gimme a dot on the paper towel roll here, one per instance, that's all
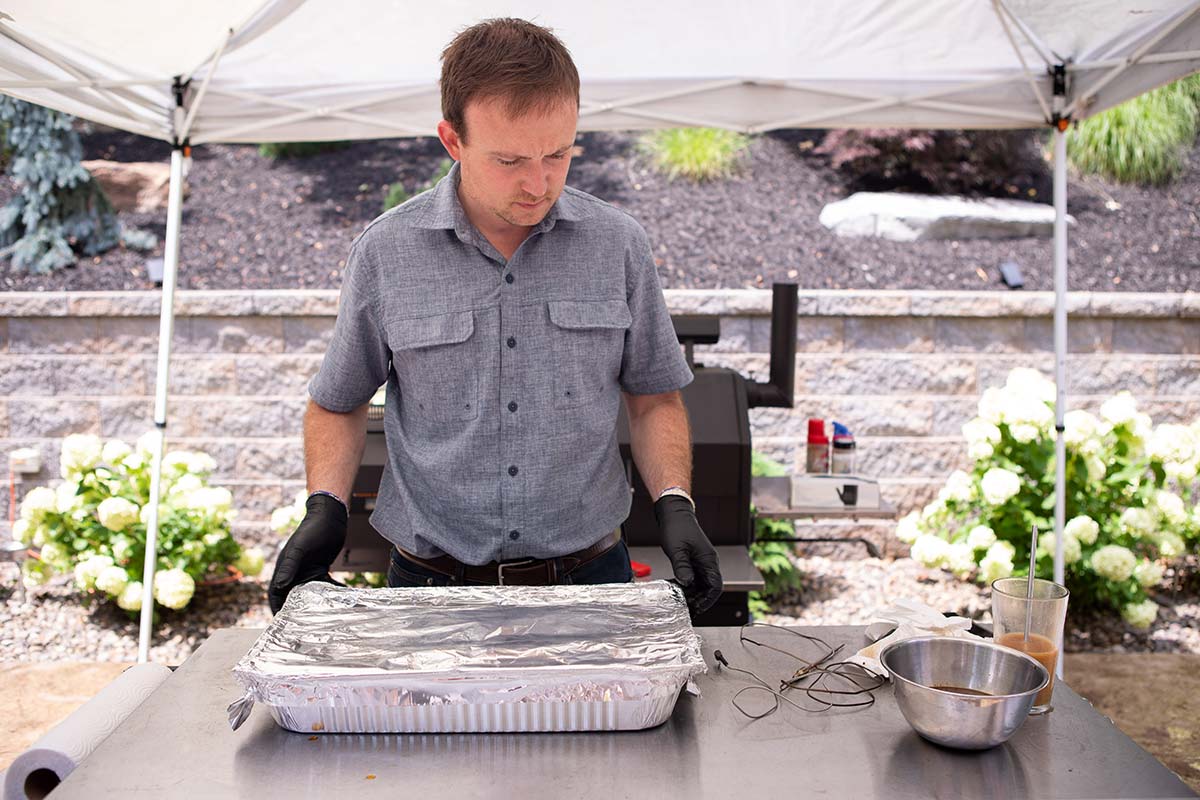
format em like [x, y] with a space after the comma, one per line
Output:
[49, 760]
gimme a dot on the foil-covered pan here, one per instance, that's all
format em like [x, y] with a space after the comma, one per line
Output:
[472, 658]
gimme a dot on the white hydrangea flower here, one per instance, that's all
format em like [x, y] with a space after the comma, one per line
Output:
[1114, 562]
[80, 451]
[1182, 471]
[934, 508]
[184, 484]
[1001, 551]
[1143, 427]
[1140, 615]
[88, 570]
[1171, 506]
[1023, 409]
[34, 573]
[21, 531]
[1172, 443]
[213, 499]
[145, 444]
[285, 519]
[1170, 544]
[114, 452]
[122, 549]
[200, 462]
[38, 502]
[134, 461]
[173, 588]
[978, 451]
[66, 497]
[1148, 573]
[907, 529]
[117, 513]
[38, 537]
[214, 538]
[960, 559]
[1097, 468]
[930, 550]
[991, 405]
[993, 569]
[1081, 428]
[981, 537]
[999, 485]
[1031, 383]
[1083, 528]
[980, 430]
[1072, 551]
[1120, 409]
[54, 554]
[250, 562]
[1138, 521]
[959, 488]
[112, 580]
[1023, 432]
[130, 598]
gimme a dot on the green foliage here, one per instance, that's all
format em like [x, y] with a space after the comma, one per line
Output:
[58, 209]
[397, 194]
[93, 524]
[1144, 140]
[698, 154]
[771, 558]
[277, 150]
[1131, 492]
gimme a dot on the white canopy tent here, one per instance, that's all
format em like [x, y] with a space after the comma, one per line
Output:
[312, 70]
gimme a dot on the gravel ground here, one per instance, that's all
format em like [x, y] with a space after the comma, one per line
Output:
[56, 624]
[253, 223]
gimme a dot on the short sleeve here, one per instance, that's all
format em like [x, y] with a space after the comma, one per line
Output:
[652, 361]
[358, 359]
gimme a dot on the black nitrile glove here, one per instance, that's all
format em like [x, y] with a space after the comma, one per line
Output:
[311, 550]
[693, 558]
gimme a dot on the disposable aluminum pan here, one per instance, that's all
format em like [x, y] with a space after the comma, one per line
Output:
[472, 659]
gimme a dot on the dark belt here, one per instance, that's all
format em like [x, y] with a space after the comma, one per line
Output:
[524, 572]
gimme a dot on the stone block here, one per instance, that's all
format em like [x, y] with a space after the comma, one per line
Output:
[3, 334]
[863, 304]
[214, 303]
[1189, 304]
[292, 415]
[230, 416]
[129, 335]
[1084, 335]
[48, 335]
[195, 374]
[884, 374]
[28, 375]
[3, 420]
[951, 413]
[986, 304]
[1176, 410]
[1156, 336]
[785, 450]
[1178, 376]
[50, 417]
[114, 304]
[130, 418]
[1107, 375]
[307, 334]
[817, 334]
[1135, 304]
[223, 451]
[737, 336]
[262, 459]
[889, 334]
[911, 494]
[993, 370]
[296, 303]
[256, 500]
[276, 375]
[33, 304]
[234, 335]
[987, 335]
[99, 375]
[934, 457]
[725, 302]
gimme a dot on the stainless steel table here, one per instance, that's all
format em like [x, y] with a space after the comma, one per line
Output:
[178, 744]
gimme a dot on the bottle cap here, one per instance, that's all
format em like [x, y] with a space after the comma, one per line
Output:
[816, 431]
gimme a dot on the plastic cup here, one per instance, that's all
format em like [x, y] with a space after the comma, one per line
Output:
[1047, 614]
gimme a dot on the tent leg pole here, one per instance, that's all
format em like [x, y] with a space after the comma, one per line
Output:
[166, 325]
[1060, 353]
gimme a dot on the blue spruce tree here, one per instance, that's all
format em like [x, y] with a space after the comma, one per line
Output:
[59, 210]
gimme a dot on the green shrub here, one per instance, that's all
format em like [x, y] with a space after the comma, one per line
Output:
[1144, 140]
[397, 194]
[1131, 491]
[771, 558]
[698, 154]
[276, 150]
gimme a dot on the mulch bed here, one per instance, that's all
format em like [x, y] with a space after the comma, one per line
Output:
[251, 222]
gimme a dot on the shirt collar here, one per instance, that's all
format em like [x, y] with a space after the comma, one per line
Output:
[445, 212]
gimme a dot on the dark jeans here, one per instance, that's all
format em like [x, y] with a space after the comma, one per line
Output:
[611, 567]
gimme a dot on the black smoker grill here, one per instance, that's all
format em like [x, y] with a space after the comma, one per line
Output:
[718, 403]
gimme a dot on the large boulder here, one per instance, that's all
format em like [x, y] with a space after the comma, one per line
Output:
[911, 217]
[138, 186]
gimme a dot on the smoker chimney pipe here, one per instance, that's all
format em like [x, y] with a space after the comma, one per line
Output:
[779, 392]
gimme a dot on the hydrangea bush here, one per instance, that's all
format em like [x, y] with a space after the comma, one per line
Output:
[93, 524]
[1131, 497]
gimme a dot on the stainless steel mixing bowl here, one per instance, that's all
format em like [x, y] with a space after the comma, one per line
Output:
[1010, 679]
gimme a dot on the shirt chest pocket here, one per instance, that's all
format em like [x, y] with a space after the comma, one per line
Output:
[589, 338]
[436, 363]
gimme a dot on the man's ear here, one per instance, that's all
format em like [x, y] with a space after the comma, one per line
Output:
[450, 139]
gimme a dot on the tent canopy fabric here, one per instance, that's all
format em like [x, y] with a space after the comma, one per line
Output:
[311, 70]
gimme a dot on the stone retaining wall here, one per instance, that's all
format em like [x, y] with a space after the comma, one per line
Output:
[903, 369]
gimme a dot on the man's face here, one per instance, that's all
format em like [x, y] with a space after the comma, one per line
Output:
[511, 170]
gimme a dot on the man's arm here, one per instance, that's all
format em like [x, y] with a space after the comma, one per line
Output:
[660, 439]
[333, 448]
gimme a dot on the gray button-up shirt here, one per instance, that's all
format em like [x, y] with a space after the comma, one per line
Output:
[503, 377]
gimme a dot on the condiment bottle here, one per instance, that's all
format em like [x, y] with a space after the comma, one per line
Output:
[818, 447]
[842, 462]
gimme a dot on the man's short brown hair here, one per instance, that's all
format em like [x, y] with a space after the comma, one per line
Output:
[517, 60]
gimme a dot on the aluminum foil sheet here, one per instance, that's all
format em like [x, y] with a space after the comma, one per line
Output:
[343, 655]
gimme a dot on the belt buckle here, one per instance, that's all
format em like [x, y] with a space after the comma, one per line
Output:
[500, 568]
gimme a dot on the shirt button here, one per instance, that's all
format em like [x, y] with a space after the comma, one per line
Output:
[513, 470]
[514, 535]
[512, 341]
[509, 278]
[512, 406]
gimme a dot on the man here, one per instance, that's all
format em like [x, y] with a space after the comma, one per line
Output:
[508, 314]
